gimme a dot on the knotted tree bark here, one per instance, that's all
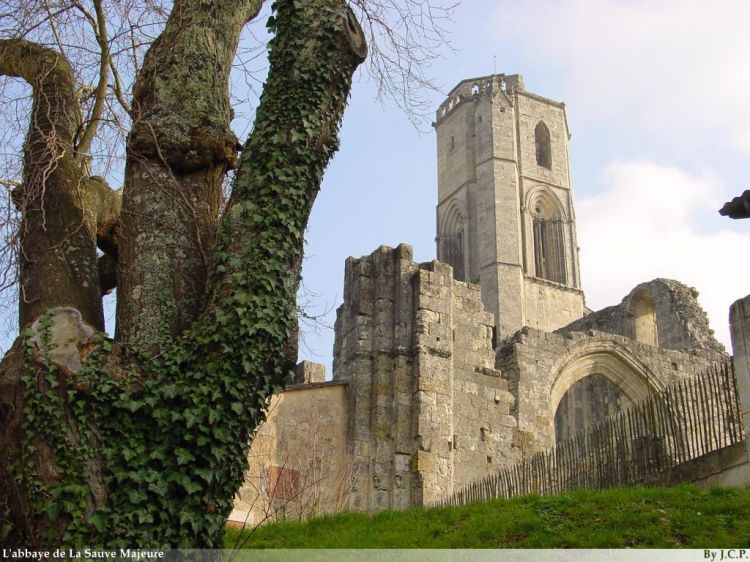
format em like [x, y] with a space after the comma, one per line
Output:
[143, 441]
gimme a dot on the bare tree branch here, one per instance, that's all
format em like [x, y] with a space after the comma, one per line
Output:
[91, 123]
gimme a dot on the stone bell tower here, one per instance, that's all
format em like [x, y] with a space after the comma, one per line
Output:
[505, 215]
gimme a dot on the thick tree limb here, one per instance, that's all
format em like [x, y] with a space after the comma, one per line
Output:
[249, 325]
[103, 207]
[179, 150]
[58, 252]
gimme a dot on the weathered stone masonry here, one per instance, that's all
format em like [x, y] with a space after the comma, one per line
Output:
[433, 406]
[429, 412]
[542, 367]
[437, 381]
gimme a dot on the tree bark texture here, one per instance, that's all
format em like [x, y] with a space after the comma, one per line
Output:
[159, 441]
[179, 150]
[57, 248]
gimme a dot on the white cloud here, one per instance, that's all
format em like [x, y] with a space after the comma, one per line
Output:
[642, 226]
[662, 75]
[742, 140]
[668, 65]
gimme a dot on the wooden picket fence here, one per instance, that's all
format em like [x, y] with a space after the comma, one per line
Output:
[640, 445]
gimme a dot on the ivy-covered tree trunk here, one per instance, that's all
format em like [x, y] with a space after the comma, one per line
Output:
[143, 441]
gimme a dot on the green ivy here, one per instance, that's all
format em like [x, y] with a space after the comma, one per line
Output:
[174, 434]
[58, 415]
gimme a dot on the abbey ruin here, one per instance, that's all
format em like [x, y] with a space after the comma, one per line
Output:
[450, 370]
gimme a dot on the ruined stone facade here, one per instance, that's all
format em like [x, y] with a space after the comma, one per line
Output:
[450, 370]
[428, 409]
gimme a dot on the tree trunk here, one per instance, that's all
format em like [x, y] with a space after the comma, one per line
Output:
[179, 150]
[57, 268]
[113, 449]
[57, 248]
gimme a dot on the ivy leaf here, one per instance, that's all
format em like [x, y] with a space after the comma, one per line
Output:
[158, 486]
[53, 510]
[190, 486]
[183, 456]
[99, 521]
[205, 473]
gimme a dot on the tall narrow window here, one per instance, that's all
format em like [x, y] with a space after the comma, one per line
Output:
[549, 243]
[543, 148]
[454, 254]
[452, 243]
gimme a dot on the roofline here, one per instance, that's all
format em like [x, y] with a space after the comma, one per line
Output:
[303, 386]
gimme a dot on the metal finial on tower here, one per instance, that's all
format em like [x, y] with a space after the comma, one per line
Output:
[494, 64]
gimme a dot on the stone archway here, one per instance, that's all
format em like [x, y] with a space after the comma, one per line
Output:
[589, 401]
[597, 371]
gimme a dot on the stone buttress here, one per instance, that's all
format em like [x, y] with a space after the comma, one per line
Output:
[428, 412]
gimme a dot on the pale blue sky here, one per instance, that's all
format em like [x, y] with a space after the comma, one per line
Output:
[656, 93]
[657, 96]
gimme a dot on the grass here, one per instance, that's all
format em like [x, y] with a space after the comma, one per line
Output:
[679, 517]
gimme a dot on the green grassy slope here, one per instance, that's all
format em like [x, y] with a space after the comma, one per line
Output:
[683, 516]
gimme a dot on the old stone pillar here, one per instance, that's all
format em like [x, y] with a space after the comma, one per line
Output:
[739, 325]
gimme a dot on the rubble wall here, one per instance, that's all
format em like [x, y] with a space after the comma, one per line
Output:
[542, 366]
[428, 411]
[681, 323]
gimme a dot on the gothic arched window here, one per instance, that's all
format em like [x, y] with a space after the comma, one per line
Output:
[452, 243]
[543, 148]
[549, 241]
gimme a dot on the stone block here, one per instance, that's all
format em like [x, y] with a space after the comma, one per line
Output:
[308, 372]
[424, 462]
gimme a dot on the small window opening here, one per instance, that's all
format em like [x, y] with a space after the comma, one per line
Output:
[543, 148]
[644, 319]
[282, 482]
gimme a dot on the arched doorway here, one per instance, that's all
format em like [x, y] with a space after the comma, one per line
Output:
[594, 382]
[588, 402]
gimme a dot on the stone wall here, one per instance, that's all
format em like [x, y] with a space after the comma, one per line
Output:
[428, 411]
[725, 467]
[553, 305]
[421, 404]
[541, 367]
[299, 459]
[308, 372]
[375, 330]
[739, 326]
[681, 323]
